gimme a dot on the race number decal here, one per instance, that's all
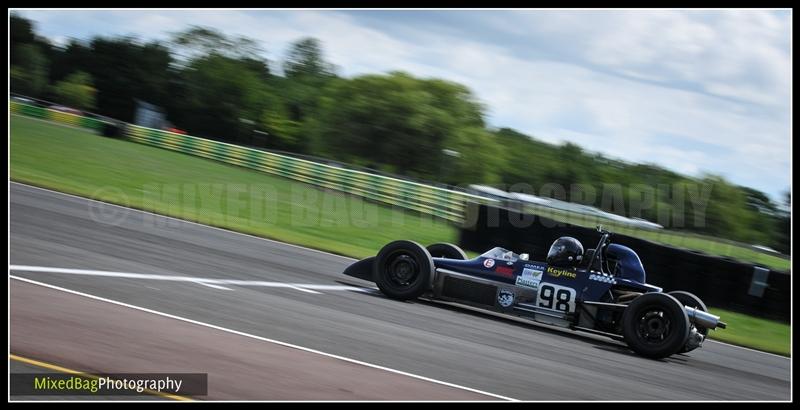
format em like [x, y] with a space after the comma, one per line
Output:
[554, 297]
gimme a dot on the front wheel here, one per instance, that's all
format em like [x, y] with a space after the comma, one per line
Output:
[655, 325]
[689, 299]
[403, 270]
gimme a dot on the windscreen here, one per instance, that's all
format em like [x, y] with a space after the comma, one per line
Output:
[501, 253]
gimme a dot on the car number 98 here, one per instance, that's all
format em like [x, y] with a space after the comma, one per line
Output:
[555, 297]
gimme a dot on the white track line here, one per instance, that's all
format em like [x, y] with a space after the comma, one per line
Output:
[273, 241]
[305, 290]
[236, 332]
[213, 286]
[183, 220]
[210, 282]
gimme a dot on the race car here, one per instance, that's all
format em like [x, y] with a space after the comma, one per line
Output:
[602, 290]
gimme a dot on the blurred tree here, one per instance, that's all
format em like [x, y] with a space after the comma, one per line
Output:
[477, 157]
[528, 158]
[198, 41]
[29, 75]
[284, 133]
[306, 75]
[223, 95]
[125, 70]
[76, 91]
[734, 212]
[76, 56]
[782, 240]
[758, 201]
[305, 59]
[729, 215]
[567, 167]
[225, 85]
[20, 32]
[28, 62]
[396, 120]
[20, 29]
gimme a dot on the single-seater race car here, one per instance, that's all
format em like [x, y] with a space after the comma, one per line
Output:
[602, 290]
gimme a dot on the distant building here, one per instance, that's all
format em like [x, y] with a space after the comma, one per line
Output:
[149, 115]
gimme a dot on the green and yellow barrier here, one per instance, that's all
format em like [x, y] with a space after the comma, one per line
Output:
[56, 116]
[423, 198]
[426, 199]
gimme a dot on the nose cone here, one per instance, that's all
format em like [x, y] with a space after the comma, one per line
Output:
[361, 269]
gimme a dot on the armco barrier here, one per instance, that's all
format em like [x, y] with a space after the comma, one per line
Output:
[721, 282]
[439, 202]
[426, 199]
[56, 116]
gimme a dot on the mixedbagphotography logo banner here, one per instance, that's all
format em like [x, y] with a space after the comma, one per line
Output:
[108, 384]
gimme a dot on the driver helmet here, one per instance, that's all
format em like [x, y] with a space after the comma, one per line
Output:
[565, 252]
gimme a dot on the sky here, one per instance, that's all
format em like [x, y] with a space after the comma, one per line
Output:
[691, 90]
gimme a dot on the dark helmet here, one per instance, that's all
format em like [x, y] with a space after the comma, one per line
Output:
[565, 252]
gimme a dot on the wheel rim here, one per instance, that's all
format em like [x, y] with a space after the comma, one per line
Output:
[401, 269]
[654, 326]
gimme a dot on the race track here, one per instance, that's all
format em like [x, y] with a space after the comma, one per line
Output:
[269, 291]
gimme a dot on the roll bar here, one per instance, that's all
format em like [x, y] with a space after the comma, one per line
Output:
[604, 240]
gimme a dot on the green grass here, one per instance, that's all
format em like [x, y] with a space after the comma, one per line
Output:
[78, 162]
[179, 185]
[744, 330]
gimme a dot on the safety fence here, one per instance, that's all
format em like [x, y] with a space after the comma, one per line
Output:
[56, 116]
[426, 199]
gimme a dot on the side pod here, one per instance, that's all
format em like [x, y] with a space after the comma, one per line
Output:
[361, 269]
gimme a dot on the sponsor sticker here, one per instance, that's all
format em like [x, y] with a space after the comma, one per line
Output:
[488, 263]
[530, 278]
[561, 273]
[505, 298]
[504, 271]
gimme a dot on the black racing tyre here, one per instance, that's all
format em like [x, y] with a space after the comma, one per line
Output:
[655, 325]
[691, 300]
[446, 250]
[403, 270]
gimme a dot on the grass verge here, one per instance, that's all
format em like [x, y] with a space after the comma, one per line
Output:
[76, 161]
[756, 333]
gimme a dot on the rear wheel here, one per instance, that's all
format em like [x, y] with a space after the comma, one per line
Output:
[446, 250]
[403, 270]
[655, 325]
[689, 299]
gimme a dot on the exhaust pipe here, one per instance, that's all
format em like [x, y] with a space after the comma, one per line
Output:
[704, 319]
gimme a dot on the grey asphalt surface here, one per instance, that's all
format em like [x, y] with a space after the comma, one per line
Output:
[96, 336]
[512, 358]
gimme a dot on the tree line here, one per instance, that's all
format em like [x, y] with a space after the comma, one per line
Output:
[221, 87]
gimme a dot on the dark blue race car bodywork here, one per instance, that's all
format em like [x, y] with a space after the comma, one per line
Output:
[592, 296]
